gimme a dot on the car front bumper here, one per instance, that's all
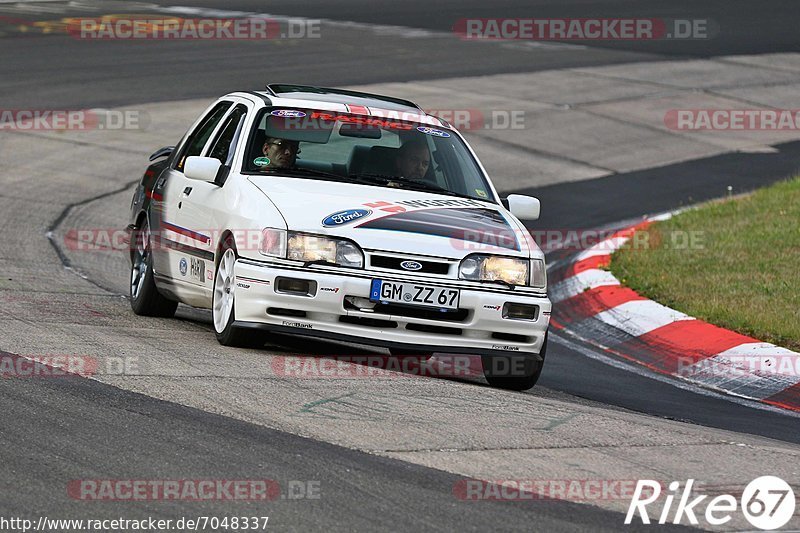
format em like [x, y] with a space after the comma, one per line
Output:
[328, 311]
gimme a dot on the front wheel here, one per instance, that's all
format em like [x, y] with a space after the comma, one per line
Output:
[513, 372]
[145, 298]
[222, 306]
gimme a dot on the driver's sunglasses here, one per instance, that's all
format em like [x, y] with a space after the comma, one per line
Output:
[286, 145]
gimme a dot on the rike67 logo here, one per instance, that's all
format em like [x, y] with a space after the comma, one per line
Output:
[767, 502]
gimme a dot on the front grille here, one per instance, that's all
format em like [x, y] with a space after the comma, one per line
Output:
[368, 322]
[456, 315]
[393, 263]
[286, 312]
[511, 337]
[441, 330]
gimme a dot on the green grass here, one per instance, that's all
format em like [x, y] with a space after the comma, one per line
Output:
[741, 271]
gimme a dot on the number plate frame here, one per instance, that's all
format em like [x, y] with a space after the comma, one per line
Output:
[414, 294]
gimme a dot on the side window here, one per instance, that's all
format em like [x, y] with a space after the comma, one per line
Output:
[199, 137]
[454, 163]
[224, 146]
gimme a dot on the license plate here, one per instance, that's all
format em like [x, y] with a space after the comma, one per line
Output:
[414, 294]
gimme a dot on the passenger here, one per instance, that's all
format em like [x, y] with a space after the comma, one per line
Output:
[413, 160]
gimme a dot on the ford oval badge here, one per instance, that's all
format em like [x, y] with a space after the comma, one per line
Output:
[287, 113]
[411, 265]
[433, 131]
[345, 217]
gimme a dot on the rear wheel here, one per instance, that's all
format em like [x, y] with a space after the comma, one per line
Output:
[145, 298]
[513, 372]
[222, 306]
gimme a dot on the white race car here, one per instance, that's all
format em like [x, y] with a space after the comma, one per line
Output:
[341, 215]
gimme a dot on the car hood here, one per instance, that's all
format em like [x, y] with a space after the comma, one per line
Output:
[399, 220]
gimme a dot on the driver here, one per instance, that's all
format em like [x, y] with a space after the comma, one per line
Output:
[413, 160]
[281, 153]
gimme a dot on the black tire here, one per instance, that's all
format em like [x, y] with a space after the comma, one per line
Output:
[513, 372]
[144, 295]
[230, 335]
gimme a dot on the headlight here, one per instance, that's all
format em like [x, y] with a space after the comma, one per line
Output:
[495, 268]
[305, 247]
[311, 248]
[349, 254]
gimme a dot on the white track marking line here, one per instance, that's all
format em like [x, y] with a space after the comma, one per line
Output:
[638, 317]
[757, 349]
[778, 368]
[675, 381]
[575, 285]
[755, 369]
[606, 247]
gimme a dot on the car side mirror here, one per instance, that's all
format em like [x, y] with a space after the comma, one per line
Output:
[524, 207]
[201, 168]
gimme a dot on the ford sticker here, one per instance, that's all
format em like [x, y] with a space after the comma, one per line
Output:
[345, 217]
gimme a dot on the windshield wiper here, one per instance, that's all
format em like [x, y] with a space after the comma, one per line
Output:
[385, 179]
[373, 178]
[309, 172]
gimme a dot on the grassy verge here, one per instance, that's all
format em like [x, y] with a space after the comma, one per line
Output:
[733, 263]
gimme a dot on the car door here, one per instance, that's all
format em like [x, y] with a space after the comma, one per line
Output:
[175, 244]
[202, 209]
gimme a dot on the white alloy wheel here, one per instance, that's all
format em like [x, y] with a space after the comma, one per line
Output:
[224, 293]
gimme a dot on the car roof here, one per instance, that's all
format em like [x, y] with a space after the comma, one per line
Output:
[345, 101]
[341, 96]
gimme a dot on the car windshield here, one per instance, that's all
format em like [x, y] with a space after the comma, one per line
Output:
[382, 151]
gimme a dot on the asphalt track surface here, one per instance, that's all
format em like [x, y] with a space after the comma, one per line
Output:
[74, 424]
[102, 429]
[775, 31]
[58, 69]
